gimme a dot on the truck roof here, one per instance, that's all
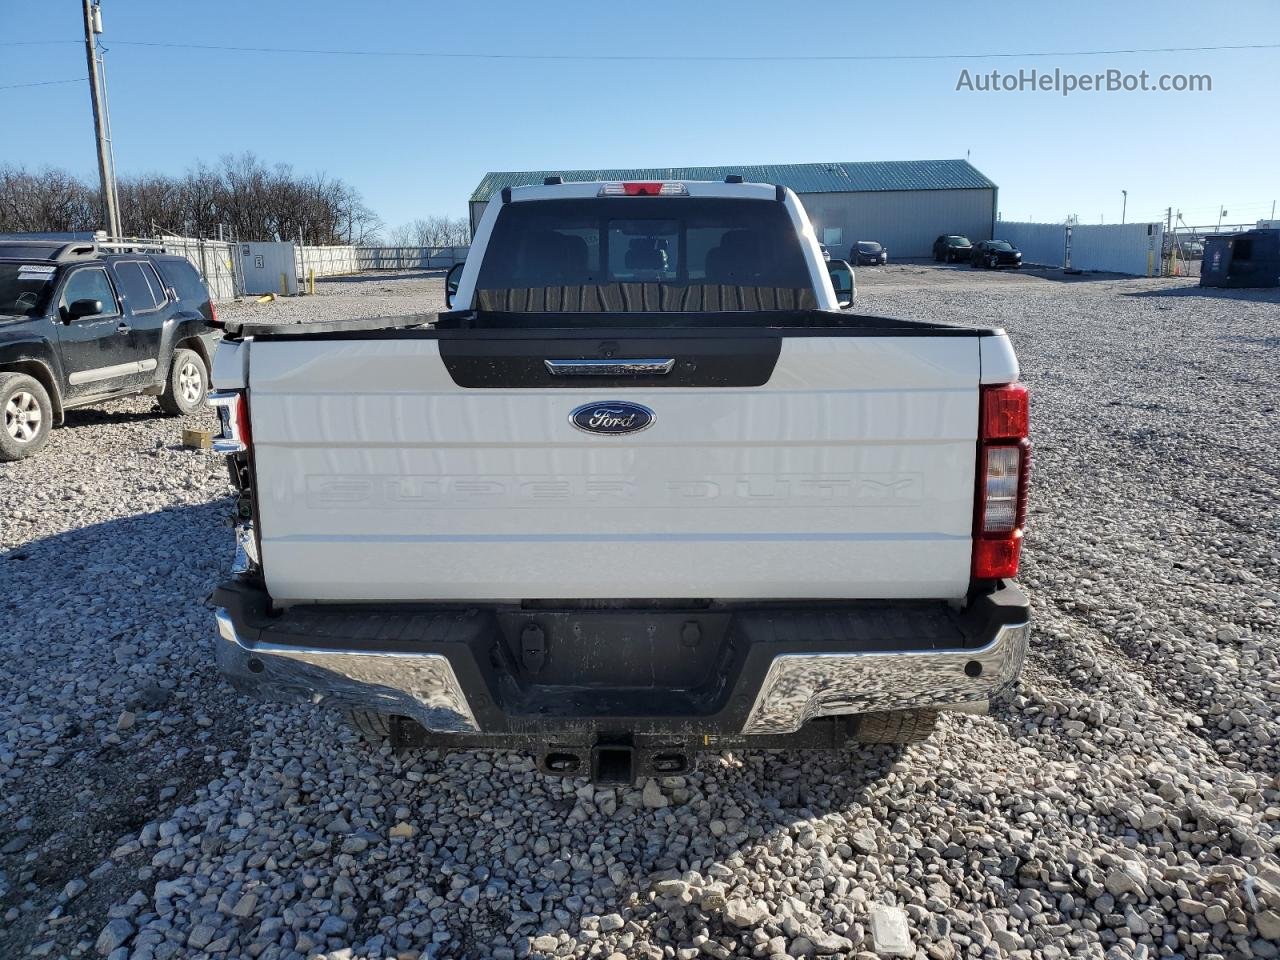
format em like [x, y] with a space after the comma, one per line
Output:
[582, 189]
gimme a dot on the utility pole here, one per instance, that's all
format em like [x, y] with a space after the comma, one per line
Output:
[106, 176]
[1124, 205]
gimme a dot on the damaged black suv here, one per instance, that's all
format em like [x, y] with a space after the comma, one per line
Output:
[79, 326]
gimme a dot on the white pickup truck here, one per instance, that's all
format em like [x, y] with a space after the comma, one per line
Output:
[644, 490]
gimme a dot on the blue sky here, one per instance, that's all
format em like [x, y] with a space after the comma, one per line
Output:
[415, 134]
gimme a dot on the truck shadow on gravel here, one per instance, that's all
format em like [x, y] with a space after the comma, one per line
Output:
[99, 416]
[112, 709]
[1246, 294]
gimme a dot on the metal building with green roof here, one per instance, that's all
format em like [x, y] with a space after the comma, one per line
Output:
[902, 204]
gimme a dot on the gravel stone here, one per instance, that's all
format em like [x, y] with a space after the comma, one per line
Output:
[864, 841]
[652, 797]
[1268, 924]
[741, 913]
[115, 934]
[890, 935]
[1130, 878]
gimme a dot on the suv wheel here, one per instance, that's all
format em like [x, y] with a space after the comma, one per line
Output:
[188, 382]
[28, 415]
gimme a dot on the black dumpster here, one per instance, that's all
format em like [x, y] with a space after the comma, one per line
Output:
[1249, 259]
[1217, 260]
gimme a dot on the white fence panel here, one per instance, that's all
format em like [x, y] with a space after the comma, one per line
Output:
[1132, 248]
[410, 258]
[1041, 243]
[327, 261]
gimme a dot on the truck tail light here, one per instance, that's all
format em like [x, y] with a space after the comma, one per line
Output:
[233, 416]
[643, 188]
[1005, 412]
[1004, 466]
[213, 316]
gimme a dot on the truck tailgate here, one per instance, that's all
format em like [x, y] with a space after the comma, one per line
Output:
[848, 474]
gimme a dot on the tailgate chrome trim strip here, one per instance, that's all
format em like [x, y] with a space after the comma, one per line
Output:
[607, 368]
[799, 687]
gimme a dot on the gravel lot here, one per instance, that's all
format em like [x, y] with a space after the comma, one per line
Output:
[1124, 803]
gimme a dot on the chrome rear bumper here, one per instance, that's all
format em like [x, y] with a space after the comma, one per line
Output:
[768, 672]
[799, 687]
[418, 685]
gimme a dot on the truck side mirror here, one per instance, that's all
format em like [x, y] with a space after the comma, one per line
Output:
[451, 283]
[842, 281]
[82, 308]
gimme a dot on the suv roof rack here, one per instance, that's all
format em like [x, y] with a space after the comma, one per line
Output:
[76, 250]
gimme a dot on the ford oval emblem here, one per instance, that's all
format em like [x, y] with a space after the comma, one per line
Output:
[612, 417]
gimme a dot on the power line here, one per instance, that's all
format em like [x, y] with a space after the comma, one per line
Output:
[41, 83]
[698, 58]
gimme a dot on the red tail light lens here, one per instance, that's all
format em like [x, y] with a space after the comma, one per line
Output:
[1005, 412]
[1000, 497]
[643, 188]
[213, 315]
[996, 559]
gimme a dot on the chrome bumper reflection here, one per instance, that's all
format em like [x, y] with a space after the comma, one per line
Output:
[799, 687]
[246, 557]
[418, 685]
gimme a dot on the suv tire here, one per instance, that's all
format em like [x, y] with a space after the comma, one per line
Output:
[27, 416]
[186, 385]
[898, 726]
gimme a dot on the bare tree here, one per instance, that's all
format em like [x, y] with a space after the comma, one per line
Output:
[435, 231]
[241, 194]
[401, 236]
[47, 199]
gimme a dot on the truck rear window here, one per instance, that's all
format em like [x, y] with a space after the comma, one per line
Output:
[643, 255]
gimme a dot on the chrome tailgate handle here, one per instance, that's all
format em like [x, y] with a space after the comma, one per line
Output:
[607, 368]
